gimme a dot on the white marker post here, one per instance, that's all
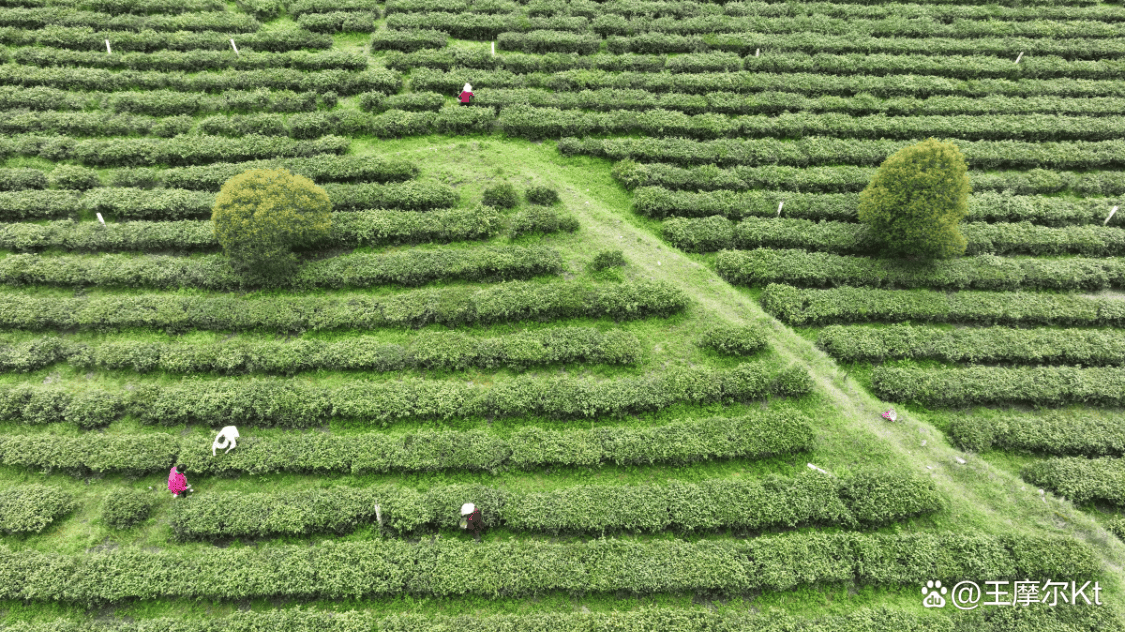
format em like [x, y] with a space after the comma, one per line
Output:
[1110, 216]
[813, 467]
[235, 48]
[100, 218]
[378, 514]
[107, 49]
[757, 51]
[1020, 56]
[493, 49]
[779, 208]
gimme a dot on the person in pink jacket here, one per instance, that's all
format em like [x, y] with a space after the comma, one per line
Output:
[466, 94]
[177, 482]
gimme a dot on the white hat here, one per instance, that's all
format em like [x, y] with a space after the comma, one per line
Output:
[467, 509]
[468, 88]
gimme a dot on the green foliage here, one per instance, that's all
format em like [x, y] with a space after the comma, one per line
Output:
[985, 385]
[523, 567]
[737, 340]
[1081, 432]
[608, 259]
[74, 177]
[22, 179]
[30, 508]
[800, 307]
[762, 266]
[502, 195]
[870, 497]
[541, 195]
[408, 40]
[338, 21]
[540, 219]
[126, 508]
[1080, 480]
[917, 198]
[262, 214]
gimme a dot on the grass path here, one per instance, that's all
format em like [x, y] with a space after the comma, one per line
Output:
[982, 496]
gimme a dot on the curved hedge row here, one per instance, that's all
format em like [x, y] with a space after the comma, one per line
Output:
[187, 61]
[428, 350]
[322, 81]
[853, 179]
[823, 150]
[1080, 480]
[481, 27]
[43, 17]
[762, 266]
[178, 151]
[30, 508]
[1083, 347]
[506, 302]
[325, 168]
[339, 21]
[277, 402]
[1079, 431]
[349, 230]
[762, 434]
[302, 7]
[998, 207]
[719, 233]
[86, 38]
[331, 570]
[162, 102]
[411, 267]
[800, 307]
[409, 40]
[1038, 386]
[118, 7]
[867, 498]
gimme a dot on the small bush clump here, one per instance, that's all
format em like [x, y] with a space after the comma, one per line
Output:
[127, 508]
[544, 196]
[501, 196]
[74, 177]
[608, 259]
[739, 340]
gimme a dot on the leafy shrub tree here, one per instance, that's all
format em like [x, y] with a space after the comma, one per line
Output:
[608, 259]
[917, 198]
[544, 196]
[262, 214]
[501, 196]
[74, 177]
[126, 508]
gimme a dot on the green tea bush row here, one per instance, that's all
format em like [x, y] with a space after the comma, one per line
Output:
[823, 150]
[988, 206]
[610, 24]
[22, 179]
[330, 570]
[86, 38]
[1041, 618]
[770, 503]
[506, 302]
[126, 508]
[954, 66]
[986, 385]
[411, 196]
[762, 266]
[1078, 432]
[302, 7]
[118, 7]
[777, 103]
[410, 101]
[811, 42]
[276, 402]
[944, 11]
[30, 508]
[739, 340]
[549, 42]
[410, 267]
[43, 17]
[339, 21]
[784, 85]
[454, 6]
[477, 26]
[534, 122]
[326, 168]
[1084, 347]
[1080, 480]
[349, 230]
[189, 61]
[340, 81]
[169, 102]
[92, 124]
[853, 179]
[762, 434]
[409, 40]
[178, 151]
[463, 59]
[427, 350]
[718, 233]
[803, 307]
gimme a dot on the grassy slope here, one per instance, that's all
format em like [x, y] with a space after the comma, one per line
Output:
[983, 497]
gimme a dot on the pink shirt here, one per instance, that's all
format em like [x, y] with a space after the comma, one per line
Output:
[177, 483]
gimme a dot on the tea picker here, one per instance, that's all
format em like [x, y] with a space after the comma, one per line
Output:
[471, 519]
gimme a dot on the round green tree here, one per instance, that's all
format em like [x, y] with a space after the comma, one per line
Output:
[261, 215]
[917, 198]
